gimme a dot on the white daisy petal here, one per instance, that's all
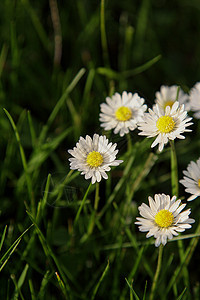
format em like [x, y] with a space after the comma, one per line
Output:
[165, 125]
[167, 95]
[122, 113]
[194, 100]
[163, 218]
[93, 157]
[191, 180]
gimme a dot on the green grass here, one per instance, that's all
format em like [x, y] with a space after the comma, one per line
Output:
[60, 237]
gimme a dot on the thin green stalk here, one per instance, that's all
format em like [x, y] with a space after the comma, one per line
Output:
[32, 130]
[155, 280]
[129, 142]
[49, 253]
[187, 256]
[177, 93]
[3, 56]
[60, 103]
[38, 26]
[57, 32]
[58, 190]
[118, 186]
[100, 280]
[174, 170]
[93, 215]
[82, 204]
[24, 162]
[96, 201]
[3, 237]
[174, 182]
[4, 259]
[128, 73]
[150, 161]
[103, 34]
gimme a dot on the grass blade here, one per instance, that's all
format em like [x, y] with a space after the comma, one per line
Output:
[181, 295]
[3, 56]
[99, 282]
[60, 103]
[145, 290]
[134, 293]
[129, 73]
[12, 248]
[33, 297]
[24, 162]
[32, 130]
[49, 253]
[38, 26]
[20, 282]
[82, 204]
[103, 34]
[3, 237]
[185, 261]
[61, 284]
[44, 283]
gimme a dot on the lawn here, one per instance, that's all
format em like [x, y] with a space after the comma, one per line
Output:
[70, 197]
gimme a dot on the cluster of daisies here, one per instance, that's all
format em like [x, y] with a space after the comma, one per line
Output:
[167, 120]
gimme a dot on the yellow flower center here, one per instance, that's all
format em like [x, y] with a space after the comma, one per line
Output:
[199, 183]
[165, 124]
[164, 218]
[168, 103]
[94, 159]
[123, 113]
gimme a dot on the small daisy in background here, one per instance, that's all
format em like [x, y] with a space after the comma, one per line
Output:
[191, 180]
[93, 157]
[194, 98]
[168, 95]
[122, 113]
[163, 218]
[165, 126]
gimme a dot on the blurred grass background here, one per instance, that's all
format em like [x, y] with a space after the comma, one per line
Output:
[51, 56]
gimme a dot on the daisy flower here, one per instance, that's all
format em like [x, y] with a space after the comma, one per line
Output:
[93, 157]
[191, 180]
[165, 126]
[194, 98]
[167, 96]
[122, 113]
[163, 218]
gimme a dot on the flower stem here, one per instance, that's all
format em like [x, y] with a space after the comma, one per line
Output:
[177, 93]
[103, 34]
[155, 280]
[129, 142]
[96, 200]
[174, 181]
[174, 170]
[82, 204]
[93, 215]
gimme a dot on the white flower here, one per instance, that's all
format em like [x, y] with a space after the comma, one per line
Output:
[93, 157]
[194, 97]
[167, 96]
[191, 180]
[122, 113]
[163, 218]
[166, 126]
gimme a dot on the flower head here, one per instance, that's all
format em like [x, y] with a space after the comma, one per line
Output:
[191, 180]
[165, 126]
[168, 95]
[194, 98]
[93, 157]
[163, 218]
[122, 113]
